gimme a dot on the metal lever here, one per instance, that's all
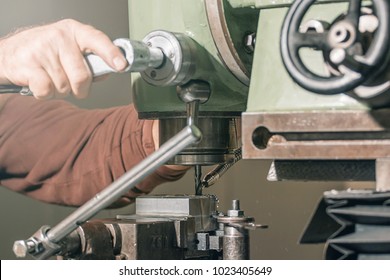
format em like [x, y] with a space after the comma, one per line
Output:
[139, 57]
[192, 94]
[44, 243]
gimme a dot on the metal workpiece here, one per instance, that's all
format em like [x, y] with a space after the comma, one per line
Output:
[139, 57]
[46, 239]
[177, 205]
[192, 214]
[179, 64]
[201, 208]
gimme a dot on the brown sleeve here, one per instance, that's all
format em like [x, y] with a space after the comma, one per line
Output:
[58, 153]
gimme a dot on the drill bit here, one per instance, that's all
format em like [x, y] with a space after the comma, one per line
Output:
[198, 180]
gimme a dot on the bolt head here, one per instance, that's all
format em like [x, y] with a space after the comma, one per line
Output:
[20, 248]
[235, 213]
[250, 42]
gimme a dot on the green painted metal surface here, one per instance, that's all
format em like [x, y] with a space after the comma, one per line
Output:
[241, 22]
[271, 88]
[259, 3]
[263, 4]
[188, 17]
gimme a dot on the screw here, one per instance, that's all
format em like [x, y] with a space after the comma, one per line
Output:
[250, 42]
[235, 211]
[236, 204]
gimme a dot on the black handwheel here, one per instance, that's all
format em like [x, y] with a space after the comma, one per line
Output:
[338, 41]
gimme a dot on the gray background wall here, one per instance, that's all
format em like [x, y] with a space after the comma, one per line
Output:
[285, 207]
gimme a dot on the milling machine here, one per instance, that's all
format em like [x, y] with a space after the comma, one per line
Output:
[304, 83]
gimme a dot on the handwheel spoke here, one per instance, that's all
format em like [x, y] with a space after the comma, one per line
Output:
[310, 40]
[354, 12]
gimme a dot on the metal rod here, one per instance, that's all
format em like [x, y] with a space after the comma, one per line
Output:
[186, 137]
[192, 112]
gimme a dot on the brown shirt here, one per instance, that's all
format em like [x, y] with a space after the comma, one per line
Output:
[58, 153]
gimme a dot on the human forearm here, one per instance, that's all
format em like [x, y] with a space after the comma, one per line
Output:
[74, 153]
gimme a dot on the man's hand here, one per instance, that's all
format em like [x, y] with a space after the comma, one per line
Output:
[50, 61]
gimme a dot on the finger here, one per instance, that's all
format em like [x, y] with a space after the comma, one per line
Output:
[60, 81]
[37, 67]
[77, 71]
[89, 38]
[41, 84]
[54, 68]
